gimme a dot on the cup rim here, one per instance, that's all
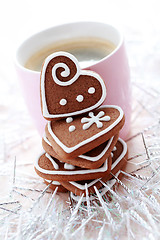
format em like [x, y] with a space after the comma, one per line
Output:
[64, 25]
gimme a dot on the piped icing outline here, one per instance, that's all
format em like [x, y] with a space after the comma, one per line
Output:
[78, 73]
[82, 187]
[54, 164]
[110, 184]
[96, 158]
[103, 168]
[46, 140]
[53, 182]
[71, 149]
[93, 159]
[121, 156]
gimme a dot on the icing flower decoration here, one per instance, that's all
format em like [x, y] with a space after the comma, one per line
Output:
[94, 119]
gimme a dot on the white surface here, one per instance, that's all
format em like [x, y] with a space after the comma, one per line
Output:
[19, 19]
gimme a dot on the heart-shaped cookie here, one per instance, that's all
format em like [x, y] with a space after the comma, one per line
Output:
[119, 159]
[77, 135]
[92, 159]
[51, 168]
[66, 90]
[103, 191]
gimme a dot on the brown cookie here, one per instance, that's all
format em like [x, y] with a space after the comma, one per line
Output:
[77, 135]
[52, 169]
[92, 159]
[103, 191]
[79, 187]
[119, 159]
[55, 184]
[66, 90]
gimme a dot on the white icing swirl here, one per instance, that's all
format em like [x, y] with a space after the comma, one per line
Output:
[66, 71]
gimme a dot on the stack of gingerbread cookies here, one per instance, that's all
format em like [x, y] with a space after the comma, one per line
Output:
[81, 140]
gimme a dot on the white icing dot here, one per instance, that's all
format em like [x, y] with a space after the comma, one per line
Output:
[80, 98]
[69, 166]
[63, 101]
[72, 128]
[111, 154]
[91, 90]
[69, 120]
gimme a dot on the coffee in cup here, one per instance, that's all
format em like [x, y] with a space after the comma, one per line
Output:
[88, 51]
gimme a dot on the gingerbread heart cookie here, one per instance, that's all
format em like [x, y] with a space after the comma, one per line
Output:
[92, 159]
[79, 187]
[52, 169]
[77, 135]
[119, 159]
[66, 90]
[103, 191]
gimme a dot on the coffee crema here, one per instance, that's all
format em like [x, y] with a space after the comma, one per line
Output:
[88, 51]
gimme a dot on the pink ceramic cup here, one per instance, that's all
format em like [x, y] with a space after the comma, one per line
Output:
[113, 68]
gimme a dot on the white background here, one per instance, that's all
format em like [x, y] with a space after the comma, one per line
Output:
[21, 18]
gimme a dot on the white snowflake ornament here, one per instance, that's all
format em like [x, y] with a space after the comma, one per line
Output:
[95, 119]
